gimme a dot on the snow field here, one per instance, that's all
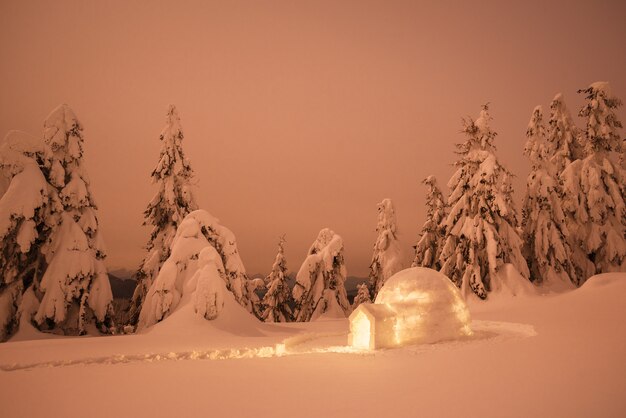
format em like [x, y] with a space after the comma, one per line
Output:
[572, 367]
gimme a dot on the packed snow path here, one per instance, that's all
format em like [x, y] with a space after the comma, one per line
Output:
[307, 343]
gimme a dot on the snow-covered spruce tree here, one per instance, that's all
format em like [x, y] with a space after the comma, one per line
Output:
[386, 259]
[543, 221]
[75, 286]
[362, 296]
[188, 271]
[594, 186]
[563, 148]
[480, 230]
[277, 298]
[320, 282]
[23, 210]
[428, 247]
[253, 286]
[563, 145]
[172, 202]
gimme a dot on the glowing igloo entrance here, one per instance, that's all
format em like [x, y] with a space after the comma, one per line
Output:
[416, 305]
[372, 326]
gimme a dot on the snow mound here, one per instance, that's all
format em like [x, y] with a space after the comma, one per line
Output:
[602, 280]
[427, 307]
[187, 321]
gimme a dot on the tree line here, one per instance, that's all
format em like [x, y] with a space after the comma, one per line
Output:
[573, 225]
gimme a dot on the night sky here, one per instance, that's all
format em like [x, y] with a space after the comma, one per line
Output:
[297, 115]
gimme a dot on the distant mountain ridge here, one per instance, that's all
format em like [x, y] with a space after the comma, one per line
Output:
[123, 285]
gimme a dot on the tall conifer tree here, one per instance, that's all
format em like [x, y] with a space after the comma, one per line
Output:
[277, 298]
[169, 206]
[428, 247]
[543, 221]
[386, 258]
[594, 186]
[480, 230]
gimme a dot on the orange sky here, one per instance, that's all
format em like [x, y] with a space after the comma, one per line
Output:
[297, 115]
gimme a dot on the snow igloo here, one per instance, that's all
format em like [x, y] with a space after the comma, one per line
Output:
[415, 306]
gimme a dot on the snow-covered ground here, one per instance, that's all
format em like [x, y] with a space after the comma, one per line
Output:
[530, 356]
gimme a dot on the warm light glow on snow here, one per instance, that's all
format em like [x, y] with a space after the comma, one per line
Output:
[280, 349]
[461, 311]
[406, 327]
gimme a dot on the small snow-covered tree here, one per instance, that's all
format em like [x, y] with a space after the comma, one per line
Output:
[428, 247]
[543, 221]
[172, 202]
[278, 296]
[386, 259]
[480, 230]
[362, 296]
[594, 186]
[190, 270]
[23, 228]
[75, 286]
[320, 282]
[253, 286]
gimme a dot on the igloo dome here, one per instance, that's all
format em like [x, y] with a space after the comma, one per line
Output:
[416, 305]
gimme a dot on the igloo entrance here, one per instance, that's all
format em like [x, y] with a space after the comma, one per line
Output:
[416, 305]
[360, 329]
